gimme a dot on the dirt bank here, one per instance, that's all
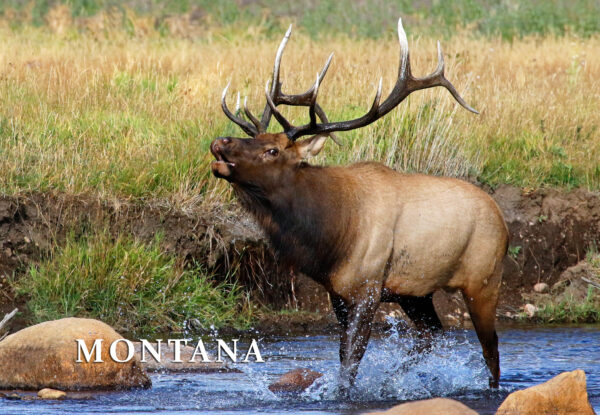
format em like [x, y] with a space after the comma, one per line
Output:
[550, 231]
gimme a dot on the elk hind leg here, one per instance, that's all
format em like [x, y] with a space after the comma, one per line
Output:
[421, 312]
[482, 308]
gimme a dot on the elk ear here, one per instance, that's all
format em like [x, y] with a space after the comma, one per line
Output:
[311, 146]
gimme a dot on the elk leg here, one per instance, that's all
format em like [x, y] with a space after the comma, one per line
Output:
[341, 313]
[422, 313]
[483, 316]
[355, 337]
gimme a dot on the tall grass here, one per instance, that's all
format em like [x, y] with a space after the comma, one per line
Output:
[129, 285]
[132, 116]
[359, 19]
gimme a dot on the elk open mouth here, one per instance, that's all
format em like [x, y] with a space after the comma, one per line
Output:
[222, 167]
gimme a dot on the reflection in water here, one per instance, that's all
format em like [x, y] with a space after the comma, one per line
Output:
[390, 372]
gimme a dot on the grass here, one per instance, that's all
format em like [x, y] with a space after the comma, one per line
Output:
[570, 310]
[139, 111]
[123, 101]
[359, 19]
[567, 308]
[129, 285]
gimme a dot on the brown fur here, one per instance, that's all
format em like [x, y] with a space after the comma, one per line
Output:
[370, 234]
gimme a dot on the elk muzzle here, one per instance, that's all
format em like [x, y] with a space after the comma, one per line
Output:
[221, 167]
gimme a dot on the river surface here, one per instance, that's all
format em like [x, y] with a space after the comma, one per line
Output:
[389, 374]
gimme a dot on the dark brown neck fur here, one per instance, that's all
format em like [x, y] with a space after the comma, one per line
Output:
[308, 220]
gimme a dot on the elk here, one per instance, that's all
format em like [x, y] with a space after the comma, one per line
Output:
[367, 233]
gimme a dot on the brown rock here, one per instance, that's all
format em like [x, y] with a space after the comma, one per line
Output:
[295, 380]
[563, 394]
[44, 356]
[48, 393]
[429, 407]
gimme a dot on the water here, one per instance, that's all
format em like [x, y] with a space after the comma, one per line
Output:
[389, 374]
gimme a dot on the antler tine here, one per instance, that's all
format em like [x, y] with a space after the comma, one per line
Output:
[279, 98]
[252, 118]
[275, 82]
[313, 101]
[280, 118]
[243, 124]
[407, 83]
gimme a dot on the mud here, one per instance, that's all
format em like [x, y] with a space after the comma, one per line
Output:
[550, 231]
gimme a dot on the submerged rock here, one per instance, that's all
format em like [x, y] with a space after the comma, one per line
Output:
[563, 394]
[167, 361]
[296, 380]
[44, 356]
[429, 407]
[48, 393]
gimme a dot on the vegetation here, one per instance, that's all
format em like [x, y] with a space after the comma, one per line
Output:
[370, 18]
[121, 100]
[129, 285]
[138, 107]
[567, 307]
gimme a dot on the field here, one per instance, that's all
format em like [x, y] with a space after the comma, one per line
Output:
[121, 103]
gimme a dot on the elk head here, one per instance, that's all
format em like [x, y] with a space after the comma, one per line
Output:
[271, 157]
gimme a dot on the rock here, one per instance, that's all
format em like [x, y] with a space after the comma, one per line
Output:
[44, 356]
[541, 287]
[295, 380]
[563, 394]
[13, 397]
[167, 360]
[48, 393]
[571, 284]
[428, 407]
[530, 310]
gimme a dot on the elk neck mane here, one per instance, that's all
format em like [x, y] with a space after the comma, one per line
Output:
[308, 220]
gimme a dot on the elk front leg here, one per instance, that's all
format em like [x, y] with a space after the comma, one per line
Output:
[358, 316]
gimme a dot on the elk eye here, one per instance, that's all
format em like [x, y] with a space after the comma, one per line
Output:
[273, 152]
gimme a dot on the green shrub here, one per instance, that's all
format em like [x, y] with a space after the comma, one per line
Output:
[130, 285]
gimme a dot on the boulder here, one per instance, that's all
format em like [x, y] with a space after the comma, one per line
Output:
[563, 394]
[429, 407]
[296, 380]
[44, 356]
[48, 393]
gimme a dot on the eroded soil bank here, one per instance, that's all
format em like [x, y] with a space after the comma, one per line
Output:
[550, 231]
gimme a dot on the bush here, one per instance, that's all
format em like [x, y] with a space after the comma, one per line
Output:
[129, 285]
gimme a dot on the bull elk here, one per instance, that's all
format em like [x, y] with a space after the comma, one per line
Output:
[367, 233]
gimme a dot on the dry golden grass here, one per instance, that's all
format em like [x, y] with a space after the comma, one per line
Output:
[132, 115]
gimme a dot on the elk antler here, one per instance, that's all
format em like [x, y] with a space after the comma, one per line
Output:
[277, 98]
[405, 85]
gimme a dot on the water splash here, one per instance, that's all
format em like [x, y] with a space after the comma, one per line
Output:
[392, 369]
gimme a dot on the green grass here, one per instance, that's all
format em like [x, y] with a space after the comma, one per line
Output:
[130, 285]
[567, 308]
[570, 310]
[370, 18]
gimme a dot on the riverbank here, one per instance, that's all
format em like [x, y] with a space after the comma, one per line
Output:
[550, 232]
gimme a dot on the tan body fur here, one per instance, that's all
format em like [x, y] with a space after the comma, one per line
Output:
[420, 234]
